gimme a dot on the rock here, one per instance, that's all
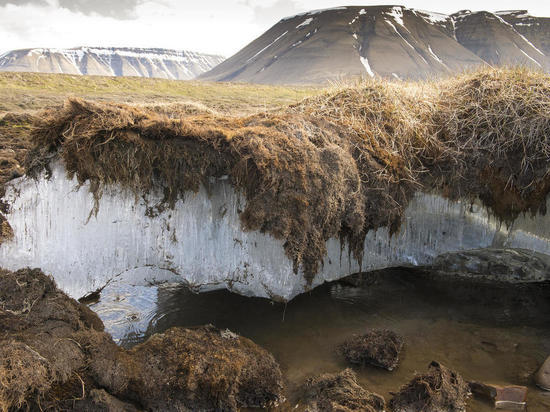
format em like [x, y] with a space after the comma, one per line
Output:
[542, 377]
[380, 348]
[111, 61]
[504, 397]
[54, 354]
[440, 389]
[492, 264]
[339, 392]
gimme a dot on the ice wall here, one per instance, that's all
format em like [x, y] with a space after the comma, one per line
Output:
[200, 242]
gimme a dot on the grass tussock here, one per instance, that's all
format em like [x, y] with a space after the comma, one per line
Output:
[335, 165]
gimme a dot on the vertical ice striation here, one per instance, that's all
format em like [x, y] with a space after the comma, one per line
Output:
[201, 242]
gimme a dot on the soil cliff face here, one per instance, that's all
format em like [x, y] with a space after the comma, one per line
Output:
[382, 174]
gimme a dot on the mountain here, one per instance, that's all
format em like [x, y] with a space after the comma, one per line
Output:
[162, 63]
[389, 41]
[536, 29]
[495, 39]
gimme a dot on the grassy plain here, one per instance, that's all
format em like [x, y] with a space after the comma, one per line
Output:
[34, 91]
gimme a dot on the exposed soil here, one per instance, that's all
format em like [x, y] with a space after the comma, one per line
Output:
[55, 354]
[339, 392]
[337, 165]
[377, 347]
[14, 144]
[440, 389]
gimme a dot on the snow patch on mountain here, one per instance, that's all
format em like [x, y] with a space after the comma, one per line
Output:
[305, 22]
[366, 64]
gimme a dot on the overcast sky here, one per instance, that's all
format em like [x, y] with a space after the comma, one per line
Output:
[210, 26]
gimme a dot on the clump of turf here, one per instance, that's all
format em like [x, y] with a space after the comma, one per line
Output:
[24, 373]
[379, 348]
[339, 392]
[495, 124]
[335, 165]
[203, 369]
[440, 389]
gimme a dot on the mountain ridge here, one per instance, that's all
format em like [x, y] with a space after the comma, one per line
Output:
[111, 61]
[387, 41]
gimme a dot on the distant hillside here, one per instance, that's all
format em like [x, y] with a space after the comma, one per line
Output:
[389, 41]
[161, 63]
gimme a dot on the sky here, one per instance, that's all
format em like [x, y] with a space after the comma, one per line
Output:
[208, 26]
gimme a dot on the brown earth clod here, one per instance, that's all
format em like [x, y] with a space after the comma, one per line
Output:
[340, 392]
[377, 347]
[439, 389]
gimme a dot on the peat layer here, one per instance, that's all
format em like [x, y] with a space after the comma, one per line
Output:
[336, 165]
[14, 144]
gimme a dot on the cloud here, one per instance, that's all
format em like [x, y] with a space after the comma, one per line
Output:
[120, 9]
[23, 2]
[271, 14]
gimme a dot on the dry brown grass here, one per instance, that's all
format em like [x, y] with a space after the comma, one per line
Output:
[24, 374]
[335, 165]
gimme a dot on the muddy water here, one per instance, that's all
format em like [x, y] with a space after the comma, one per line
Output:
[488, 333]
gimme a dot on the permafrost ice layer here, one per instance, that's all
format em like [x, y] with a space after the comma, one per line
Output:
[201, 243]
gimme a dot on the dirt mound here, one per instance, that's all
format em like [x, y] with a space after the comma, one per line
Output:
[377, 347]
[337, 165]
[55, 354]
[440, 389]
[202, 369]
[339, 392]
[40, 352]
